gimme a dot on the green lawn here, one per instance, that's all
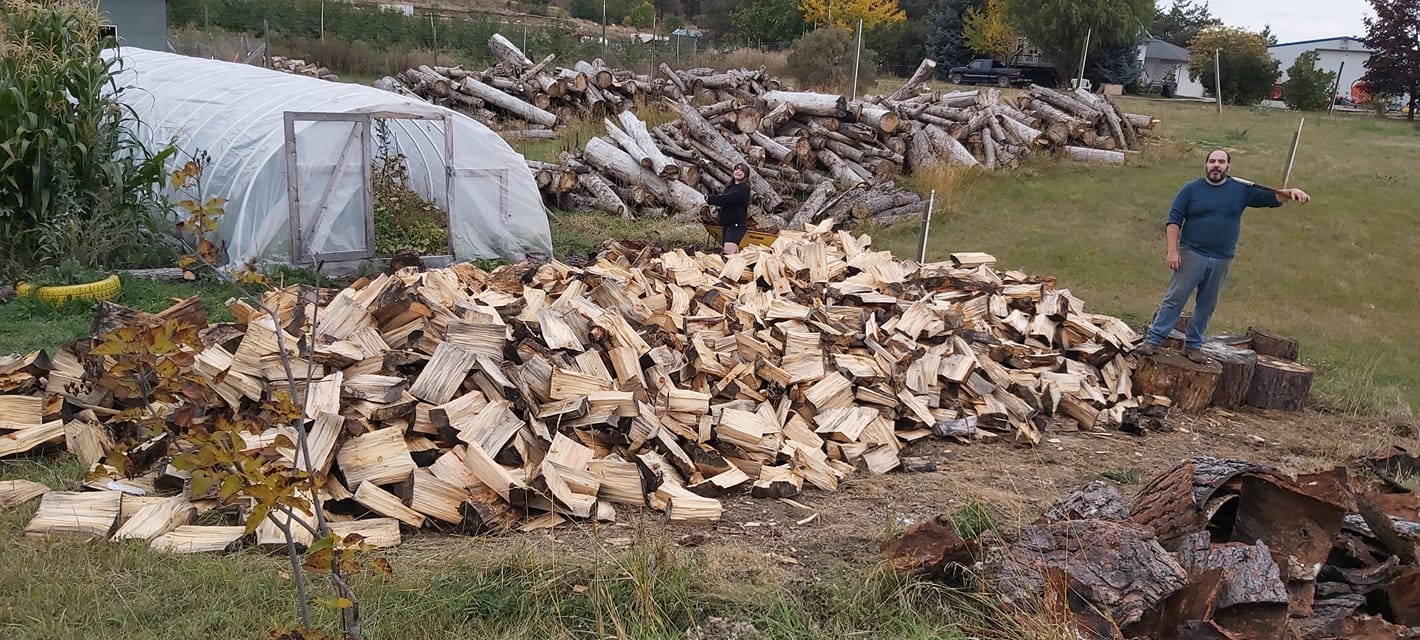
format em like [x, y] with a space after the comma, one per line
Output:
[1337, 273]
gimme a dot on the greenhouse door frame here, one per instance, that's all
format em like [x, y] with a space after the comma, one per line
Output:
[364, 132]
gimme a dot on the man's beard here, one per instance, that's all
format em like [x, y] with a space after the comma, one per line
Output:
[1217, 175]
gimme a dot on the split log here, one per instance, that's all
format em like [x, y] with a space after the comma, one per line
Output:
[1279, 384]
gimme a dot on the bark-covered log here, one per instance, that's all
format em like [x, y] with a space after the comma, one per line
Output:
[662, 165]
[1268, 343]
[705, 133]
[946, 146]
[607, 157]
[505, 52]
[920, 76]
[808, 103]
[1279, 384]
[1095, 499]
[1236, 378]
[606, 198]
[507, 102]
[1082, 154]
[886, 120]
[1116, 566]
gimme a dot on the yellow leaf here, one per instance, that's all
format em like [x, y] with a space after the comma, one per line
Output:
[335, 603]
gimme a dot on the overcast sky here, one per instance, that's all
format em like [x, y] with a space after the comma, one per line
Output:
[1294, 20]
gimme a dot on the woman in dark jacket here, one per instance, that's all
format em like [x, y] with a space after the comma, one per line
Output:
[734, 209]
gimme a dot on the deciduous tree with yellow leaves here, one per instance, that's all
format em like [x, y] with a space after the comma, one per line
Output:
[988, 30]
[845, 14]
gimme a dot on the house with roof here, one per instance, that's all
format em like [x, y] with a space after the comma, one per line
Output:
[1344, 55]
[1167, 63]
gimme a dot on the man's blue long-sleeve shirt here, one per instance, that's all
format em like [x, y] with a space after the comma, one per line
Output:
[1210, 216]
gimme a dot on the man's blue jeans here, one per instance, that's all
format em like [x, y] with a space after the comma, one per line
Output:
[1198, 272]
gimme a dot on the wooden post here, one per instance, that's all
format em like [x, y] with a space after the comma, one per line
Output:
[1331, 98]
[1292, 155]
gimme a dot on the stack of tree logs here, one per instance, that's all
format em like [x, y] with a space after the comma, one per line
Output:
[301, 67]
[1256, 369]
[518, 92]
[654, 379]
[1219, 549]
[806, 150]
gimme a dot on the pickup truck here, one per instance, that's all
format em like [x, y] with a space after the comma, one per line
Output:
[986, 70]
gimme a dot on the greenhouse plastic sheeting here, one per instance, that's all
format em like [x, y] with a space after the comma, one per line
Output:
[236, 112]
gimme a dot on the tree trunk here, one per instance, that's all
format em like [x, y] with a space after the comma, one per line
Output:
[606, 157]
[776, 117]
[427, 83]
[1082, 154]
[771, 146]
[815, 104]
[988, 150]
[959, 99]
[1027, 134]
[507, 102]
[662, 165]
[388, 83]
[946, 146]
[885, 120]
[1236, 379]
[627, 143]
[504, 51]
[920, 76]
[606, 198]
[812, 205]
[674, 78]
[1067, 102]
[707, 134]
[576, 80]
[1279, 384]
[1189, 384]
[537, 68]
[1141, 122]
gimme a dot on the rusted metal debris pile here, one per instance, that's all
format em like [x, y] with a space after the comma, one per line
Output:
[1216, 549]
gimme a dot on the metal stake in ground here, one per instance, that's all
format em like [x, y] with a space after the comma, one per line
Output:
[926, 223]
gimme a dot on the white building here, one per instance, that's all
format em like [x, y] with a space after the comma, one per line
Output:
[1343, 55]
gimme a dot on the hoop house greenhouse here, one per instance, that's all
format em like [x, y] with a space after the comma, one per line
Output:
[292, 155]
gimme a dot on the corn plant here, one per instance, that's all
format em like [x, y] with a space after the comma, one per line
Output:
[74, 182]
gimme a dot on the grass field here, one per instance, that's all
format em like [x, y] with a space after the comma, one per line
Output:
[1336, 273]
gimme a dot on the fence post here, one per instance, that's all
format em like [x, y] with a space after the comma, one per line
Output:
[926, 223]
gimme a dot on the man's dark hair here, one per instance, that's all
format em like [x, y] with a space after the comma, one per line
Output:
[1226, 156]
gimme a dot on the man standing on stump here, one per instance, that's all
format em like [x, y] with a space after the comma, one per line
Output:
[1203, 227]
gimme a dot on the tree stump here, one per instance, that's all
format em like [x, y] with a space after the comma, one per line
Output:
[1266, 343]
[1189, 384]
[1176, 340]
[1278, 384]
[1238, 365]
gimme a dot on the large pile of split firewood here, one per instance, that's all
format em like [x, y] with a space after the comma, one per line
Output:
[1217, 549]
[465, 399]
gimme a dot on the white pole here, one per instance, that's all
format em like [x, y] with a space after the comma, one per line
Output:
[857, 53]
[1085, 53]
[603, 29]
[322, 20]
[1292, 155]
[926, 223]
[1217, 80]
